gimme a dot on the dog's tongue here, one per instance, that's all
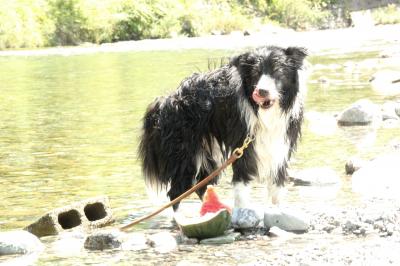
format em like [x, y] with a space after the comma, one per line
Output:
[257, 98]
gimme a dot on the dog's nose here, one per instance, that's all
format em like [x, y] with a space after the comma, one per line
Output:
[263, 92]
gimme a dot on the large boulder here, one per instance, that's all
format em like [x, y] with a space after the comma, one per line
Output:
[379, 177]
[19, 242]
[362, 112]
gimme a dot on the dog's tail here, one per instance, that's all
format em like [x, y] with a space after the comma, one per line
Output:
[150, 141]
[150, 155]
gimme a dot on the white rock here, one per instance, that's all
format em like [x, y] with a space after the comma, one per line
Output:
[277, 232]
[384, 83]
[163, 242]
[285, 219]
[319, 176]
[379, 177]
[19, 242]
[68, 244]
[397, 108]
[362, 112]
[321, 124]
[245, 218]
[135, 241]
[389, 110]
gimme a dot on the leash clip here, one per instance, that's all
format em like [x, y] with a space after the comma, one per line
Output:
[239, 151]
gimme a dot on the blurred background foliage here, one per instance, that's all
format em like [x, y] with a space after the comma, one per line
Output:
[25, 23]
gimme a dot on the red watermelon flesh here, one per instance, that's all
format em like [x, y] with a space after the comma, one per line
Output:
[211, 203]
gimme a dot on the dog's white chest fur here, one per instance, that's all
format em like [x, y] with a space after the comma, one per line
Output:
[270, 142]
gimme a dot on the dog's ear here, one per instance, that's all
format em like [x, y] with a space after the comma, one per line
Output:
[296, 55]
[238, 60]
[243, 60]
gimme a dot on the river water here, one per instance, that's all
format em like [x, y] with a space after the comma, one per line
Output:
[70, 126]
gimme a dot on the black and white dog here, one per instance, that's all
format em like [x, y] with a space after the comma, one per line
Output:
[189, 133]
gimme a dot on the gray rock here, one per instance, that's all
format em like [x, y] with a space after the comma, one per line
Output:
[379, 177]
[105, 240]
[19, 242]
[362, 112]
[245, 218]
[353, 164]
[286, 219]
[225, 239]
[319, 176]
[87, 214]
[182, 239]
[163, 242]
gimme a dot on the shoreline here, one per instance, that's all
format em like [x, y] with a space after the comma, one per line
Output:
[346, 40]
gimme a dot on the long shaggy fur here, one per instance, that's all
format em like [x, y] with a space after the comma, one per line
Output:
[189, 133]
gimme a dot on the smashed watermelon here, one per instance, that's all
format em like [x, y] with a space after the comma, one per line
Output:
[211, 202]
[214, 219]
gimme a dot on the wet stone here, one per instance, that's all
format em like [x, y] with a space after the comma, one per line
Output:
[286, 219]
[19, 242]
[104, 240]
[245, 218]
[353, 164]
[182, 239]
[362, 112]
[163, 242]
[225, 239]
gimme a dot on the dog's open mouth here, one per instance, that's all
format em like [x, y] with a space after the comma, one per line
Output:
[263, 102]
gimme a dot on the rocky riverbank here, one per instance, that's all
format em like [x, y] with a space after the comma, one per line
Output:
[316, 41]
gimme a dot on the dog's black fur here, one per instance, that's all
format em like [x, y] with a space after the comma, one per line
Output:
[187, 134]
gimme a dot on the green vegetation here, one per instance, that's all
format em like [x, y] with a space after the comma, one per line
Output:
[25, 23]
[387, 15]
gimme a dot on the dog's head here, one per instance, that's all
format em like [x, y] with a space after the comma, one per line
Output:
[270, 75]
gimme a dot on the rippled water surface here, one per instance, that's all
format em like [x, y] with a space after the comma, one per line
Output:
[69, 127]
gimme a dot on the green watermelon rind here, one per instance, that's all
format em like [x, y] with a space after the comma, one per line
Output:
[205, 227]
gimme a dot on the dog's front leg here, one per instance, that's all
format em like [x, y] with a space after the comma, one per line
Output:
[241, 193]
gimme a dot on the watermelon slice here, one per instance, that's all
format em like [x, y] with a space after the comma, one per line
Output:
[209, 225]
[211, 202]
